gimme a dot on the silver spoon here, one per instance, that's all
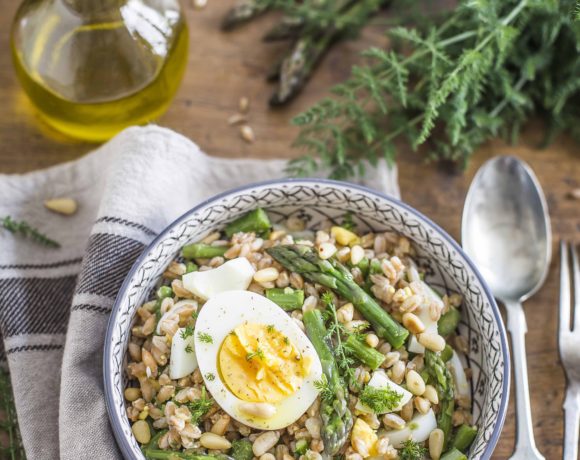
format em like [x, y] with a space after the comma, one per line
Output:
[506, 231]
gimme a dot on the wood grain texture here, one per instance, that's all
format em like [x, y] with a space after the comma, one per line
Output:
[224, 67]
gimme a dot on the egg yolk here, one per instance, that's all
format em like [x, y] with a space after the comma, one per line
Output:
[259, 364]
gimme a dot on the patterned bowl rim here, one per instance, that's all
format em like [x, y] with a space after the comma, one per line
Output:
[108, 382]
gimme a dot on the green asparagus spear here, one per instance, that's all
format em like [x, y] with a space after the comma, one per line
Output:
[287, 298]
[454, 454]
[244, 11]
[297, 68]
[202, 251]
[365, 354]
[256, 221]
[449, 322]
[289, 27]
[333, 275]
[464, 437]
[443, 381]
[336, 417]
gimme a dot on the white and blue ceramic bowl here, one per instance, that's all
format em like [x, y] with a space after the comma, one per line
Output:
[448, 268]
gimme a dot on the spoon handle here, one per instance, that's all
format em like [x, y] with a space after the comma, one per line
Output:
[516, 324]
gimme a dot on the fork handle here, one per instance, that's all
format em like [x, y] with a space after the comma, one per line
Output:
[572, 422]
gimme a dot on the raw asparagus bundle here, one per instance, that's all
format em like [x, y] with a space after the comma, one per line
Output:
[336, 417]
[313, 26]
[333, 275]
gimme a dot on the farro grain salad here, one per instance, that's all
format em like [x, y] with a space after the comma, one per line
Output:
[278, 343]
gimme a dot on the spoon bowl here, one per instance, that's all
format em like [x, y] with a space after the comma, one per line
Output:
[506, 231]
[504, 228]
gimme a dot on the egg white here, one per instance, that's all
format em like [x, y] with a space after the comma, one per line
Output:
[218, 317]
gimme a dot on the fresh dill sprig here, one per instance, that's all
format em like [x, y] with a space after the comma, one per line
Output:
[210, 376]
[189, 349]
[450, 83]
[326, 393]
[380, 400]
[412, 450]
[187, 332]
[258, 353]
[204, 337]
[25, 230]
[200, 407]
[336, 333]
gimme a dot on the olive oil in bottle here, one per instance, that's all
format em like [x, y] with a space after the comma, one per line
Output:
[92, 68]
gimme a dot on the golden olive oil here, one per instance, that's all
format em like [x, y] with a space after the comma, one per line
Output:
[91, 74]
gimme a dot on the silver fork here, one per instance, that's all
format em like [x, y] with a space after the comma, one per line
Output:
[569, 343]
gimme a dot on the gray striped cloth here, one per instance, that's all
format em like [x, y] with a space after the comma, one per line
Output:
[55, 303]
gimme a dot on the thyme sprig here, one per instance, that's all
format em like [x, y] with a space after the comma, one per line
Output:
[481, 71]
[25, 230]
[10, 442]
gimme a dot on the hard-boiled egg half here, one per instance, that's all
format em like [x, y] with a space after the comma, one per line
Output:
[256, 362]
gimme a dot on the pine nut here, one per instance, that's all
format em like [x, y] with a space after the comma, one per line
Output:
[345, 313]
[310, 303]
[265, 442]
[261, 410]
[393, 421]
[247, 134]
[326, 250]
[267, 457]
[213, 441]
[413, 323]
[436, 443]
[65, 206]
[221, 425]
[398, 372]
[415, 383]
[266, 274]
[431, 394]
[132, 394]
[422, 405]
[357, 254]
[372, 340]
[433, 342]
[244, 104]
[141, 431]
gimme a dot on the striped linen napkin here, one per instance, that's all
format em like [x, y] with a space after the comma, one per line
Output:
[55, 303]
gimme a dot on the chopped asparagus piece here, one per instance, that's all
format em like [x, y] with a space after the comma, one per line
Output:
[448, 323]
[364, 353]
[202, 251]
[256, 221]
[464, 437]
[286, 298]
[454, 454]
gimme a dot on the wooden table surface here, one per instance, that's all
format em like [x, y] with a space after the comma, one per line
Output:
[224, 67]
